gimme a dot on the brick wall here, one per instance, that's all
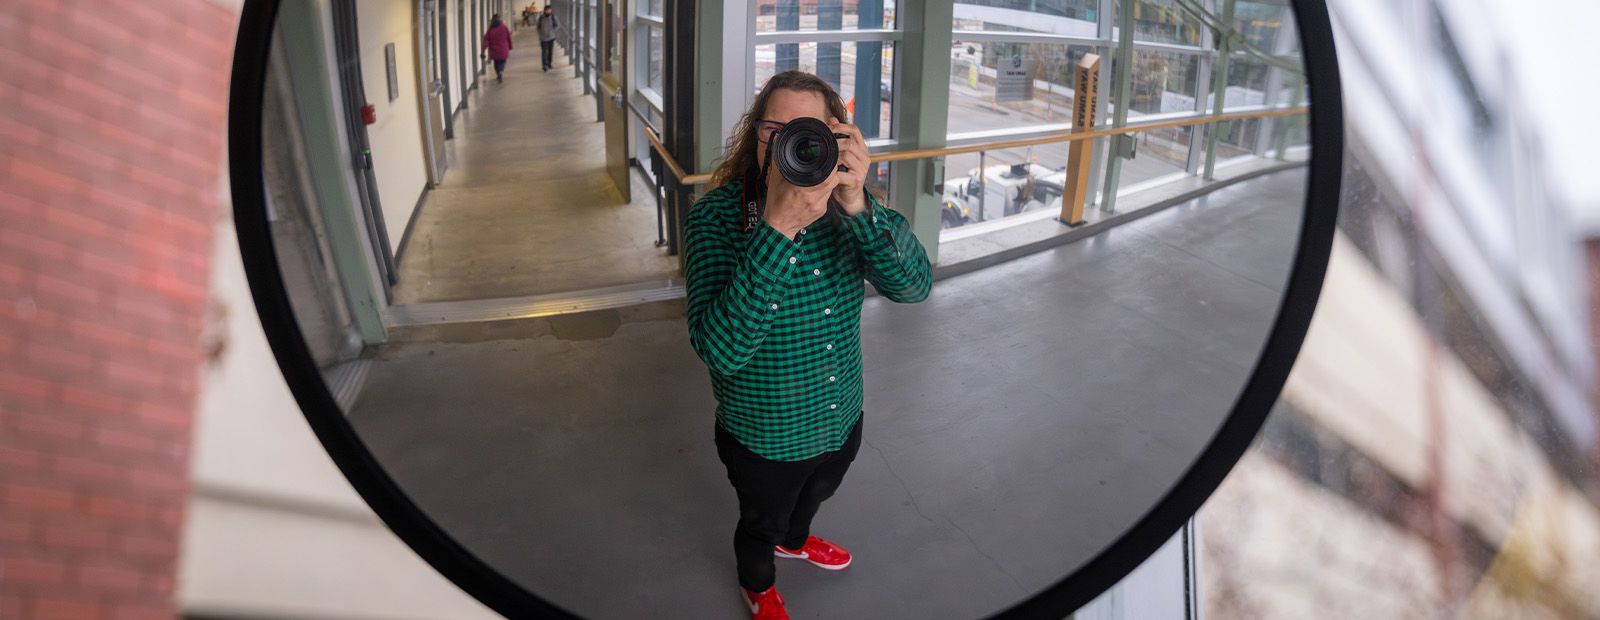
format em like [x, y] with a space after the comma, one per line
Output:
[111, 131]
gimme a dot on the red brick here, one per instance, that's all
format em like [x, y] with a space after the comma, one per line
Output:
[14, 460]
[107, 578]
[52, 290]
[12, 276]
[50, 180]
[126, 441]
[78, 538]
[116, 270]
[148, 547]
[95, 399]
[111, 508]
[108, 336]
[12, 606]
[143, 611]
[161, 583]
[56, 361]
[76, 222]
[18, 385]
[84, 468]
[157, 480]
[48, 609]
[36, 427]
[15, 531]
[55, 500]
[22, 134]
[34, 245]
[32, 572]
[134, 375]
[166, 416]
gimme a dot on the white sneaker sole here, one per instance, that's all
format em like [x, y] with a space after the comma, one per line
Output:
[793, 556]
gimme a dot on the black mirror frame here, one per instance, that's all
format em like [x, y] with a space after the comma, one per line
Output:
[494, 590]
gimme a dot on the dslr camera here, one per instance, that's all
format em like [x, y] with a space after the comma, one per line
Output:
[805, 151]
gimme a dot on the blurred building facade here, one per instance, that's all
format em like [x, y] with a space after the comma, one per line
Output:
[1434, 450]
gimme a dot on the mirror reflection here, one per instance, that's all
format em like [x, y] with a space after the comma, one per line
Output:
[948, 375]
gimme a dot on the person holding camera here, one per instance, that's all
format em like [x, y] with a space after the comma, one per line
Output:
[774, 259]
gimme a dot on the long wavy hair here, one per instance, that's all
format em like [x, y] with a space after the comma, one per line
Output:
[740, 154]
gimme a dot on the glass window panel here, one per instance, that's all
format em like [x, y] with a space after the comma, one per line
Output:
[1163, 82]
[1247, 82]
[1163, 21]
[654, 8]
[1064, 17]
[654, 48]
[813, 15]
[1261, 22]
[972, 85]
[770, 59]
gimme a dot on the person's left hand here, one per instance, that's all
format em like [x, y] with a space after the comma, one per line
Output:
[853, 156]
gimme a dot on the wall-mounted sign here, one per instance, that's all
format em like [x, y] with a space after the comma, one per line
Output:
[1014, 80]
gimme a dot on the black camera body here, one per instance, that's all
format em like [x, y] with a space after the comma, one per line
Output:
[805, 151]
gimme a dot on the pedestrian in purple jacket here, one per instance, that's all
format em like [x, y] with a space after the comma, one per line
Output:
[497, 42]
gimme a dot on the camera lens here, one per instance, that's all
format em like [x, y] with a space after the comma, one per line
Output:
[805, 152]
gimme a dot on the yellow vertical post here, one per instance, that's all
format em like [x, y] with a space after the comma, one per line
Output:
[1078, 157]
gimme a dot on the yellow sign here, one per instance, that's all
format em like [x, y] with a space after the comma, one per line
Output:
[1085, 101]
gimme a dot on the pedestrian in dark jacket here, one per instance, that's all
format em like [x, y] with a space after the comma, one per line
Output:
[548, 27]
[497, 43]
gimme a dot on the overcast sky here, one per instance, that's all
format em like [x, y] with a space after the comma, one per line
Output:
[1555, 47]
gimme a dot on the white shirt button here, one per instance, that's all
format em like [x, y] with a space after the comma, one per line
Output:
[829, 347]
[802, 231]
[816, 272]
[833, 378]
[774, 306]
[833, 406]
[793, 260]
[827, 310]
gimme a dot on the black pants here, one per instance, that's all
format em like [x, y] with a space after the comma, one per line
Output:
[547, 52]
[777, 500]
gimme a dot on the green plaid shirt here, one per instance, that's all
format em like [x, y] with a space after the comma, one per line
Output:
[779, 322]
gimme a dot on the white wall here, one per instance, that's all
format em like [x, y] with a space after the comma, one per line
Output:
[273, 529]
[396, 139]
[451, 8]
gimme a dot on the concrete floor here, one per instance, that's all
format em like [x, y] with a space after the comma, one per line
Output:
[526, 207]
[1015, 423]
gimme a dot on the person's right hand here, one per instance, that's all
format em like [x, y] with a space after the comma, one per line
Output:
[791, 208]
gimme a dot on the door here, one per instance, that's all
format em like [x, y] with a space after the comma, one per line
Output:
[347, 48]
[614, 103]
[430, 83]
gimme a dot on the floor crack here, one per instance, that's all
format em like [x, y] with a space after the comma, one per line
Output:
[985, 554]
[902, 482]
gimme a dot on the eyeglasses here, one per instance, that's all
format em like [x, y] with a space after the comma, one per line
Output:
[764, 130]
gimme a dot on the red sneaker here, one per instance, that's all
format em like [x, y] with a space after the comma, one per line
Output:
[765, 605]
[817, 551]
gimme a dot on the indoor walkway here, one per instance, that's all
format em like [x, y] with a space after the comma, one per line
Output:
[526, 207]
[1014, 421]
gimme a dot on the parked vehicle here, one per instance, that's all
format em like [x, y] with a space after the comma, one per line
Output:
[1004, 189]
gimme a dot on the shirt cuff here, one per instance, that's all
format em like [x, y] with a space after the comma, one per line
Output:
[772, 254]
[869, 225]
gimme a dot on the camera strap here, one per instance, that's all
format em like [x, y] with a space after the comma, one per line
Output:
[754, 182]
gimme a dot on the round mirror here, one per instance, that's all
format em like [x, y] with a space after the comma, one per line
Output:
[1075, 290]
